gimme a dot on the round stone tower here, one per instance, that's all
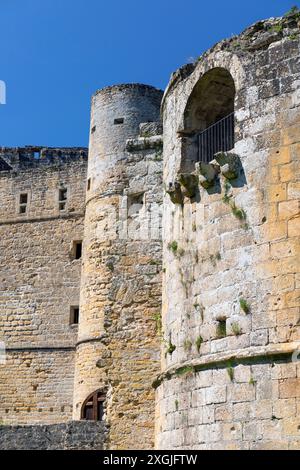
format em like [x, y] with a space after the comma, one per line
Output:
[231, 294]
[117, 352]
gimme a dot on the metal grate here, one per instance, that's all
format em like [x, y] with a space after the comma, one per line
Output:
[218, 137]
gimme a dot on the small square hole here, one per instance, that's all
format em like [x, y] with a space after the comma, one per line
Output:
[119, 121]
[23, 198]
[74, 315]
[36, 155]
[23, 209]
[62, 206]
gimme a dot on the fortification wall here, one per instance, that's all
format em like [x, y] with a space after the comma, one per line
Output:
[39, 281]
[76, 435]
[231, 252]
[118, 349]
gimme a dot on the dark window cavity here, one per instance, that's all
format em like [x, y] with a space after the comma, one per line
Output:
[62, 198]
[78, 250]
[119, 121]
[23, 203]
[74, 315]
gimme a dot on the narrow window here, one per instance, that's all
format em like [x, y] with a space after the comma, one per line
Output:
[23, 203]
[74, 315]
[93, 129]
[93, 407]
[62, 198]
[119, 121]
[89, 184]
[78, 250]
[36, 155]
[23, 198]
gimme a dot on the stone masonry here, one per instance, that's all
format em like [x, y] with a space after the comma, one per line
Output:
[39, 282]
[231, 249]
[188, 283]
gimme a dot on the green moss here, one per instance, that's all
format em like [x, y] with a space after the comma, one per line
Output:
[221, 329]
[153, 262]
[170, 348]
[199, 341]
[194, 227]
[293, 11]
[230, 372]
[252, 381]
[176, 405]
[158, 323]
[187, 345]
[110, 266]
[185, 370]
[173, 246]
[239, 213]
[244, 306]
[236, 329]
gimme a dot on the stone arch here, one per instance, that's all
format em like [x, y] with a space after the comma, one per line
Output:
[209, 106]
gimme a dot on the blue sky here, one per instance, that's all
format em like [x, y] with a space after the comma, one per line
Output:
[56, 53]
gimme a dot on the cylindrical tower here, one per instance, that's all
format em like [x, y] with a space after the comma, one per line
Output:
[117, 352]
[230, 374]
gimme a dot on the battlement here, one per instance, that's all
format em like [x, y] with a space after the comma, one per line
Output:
[15, 158]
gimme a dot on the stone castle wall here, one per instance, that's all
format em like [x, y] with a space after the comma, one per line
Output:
[39, 281]
[79, 435]
[231, 252]
[219, 345]
[118, 348]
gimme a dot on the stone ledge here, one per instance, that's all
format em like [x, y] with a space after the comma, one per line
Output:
[71, 215]
[222, 359]
[144, 143]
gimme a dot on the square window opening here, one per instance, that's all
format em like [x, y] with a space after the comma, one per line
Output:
[119, 121]
[23, 209]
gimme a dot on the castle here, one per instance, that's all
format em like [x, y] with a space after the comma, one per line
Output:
[149, 286]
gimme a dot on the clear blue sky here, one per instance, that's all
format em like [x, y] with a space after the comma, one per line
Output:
[56, 53]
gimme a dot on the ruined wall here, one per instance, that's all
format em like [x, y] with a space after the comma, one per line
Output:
[118, 348]
[78, 435]
[39, 281]
[231, 257]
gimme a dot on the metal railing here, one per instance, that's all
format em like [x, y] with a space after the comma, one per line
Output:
[218, 137]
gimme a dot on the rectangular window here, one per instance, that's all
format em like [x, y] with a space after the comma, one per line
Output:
[119, 121]
[78, 250]
[23, 203]
[62, 198]
[74, 315]
[23, 198]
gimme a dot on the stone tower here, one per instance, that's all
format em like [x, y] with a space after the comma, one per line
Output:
[231, 224]
[117, 353]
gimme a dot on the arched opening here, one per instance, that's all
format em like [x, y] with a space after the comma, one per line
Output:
[93, 407]
[208, 119]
